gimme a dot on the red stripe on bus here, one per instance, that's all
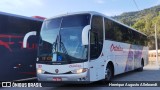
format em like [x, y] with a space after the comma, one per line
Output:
[9, 36]
[6, 45]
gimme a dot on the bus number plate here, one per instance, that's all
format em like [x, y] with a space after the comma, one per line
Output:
[57, 79]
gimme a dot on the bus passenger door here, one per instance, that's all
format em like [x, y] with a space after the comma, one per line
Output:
[96, 62]
[93, 56]
[96, 45]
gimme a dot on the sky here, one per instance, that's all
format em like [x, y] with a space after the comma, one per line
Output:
[49, 8]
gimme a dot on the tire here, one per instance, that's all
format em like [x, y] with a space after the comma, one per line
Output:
[142, 65]
[108, 74]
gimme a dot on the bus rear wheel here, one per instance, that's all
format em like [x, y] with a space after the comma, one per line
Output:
[142, 65]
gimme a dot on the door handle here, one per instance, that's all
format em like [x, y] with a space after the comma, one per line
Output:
[102, 65]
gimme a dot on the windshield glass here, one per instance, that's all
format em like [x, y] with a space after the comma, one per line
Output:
[50, 30]
[61, 39]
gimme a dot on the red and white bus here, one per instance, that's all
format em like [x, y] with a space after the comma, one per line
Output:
[88, 46]
[16, 62]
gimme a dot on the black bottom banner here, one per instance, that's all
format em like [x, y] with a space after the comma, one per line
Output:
[83, 84]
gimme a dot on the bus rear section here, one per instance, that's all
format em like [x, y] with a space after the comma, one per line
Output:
[18, 63]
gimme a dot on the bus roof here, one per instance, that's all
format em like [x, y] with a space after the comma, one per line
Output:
[95, 13]
[14, 15]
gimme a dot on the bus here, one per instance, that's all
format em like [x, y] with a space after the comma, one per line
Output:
[18, 63]
[88, 46]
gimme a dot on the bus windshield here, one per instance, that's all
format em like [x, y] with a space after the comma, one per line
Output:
[61, 39]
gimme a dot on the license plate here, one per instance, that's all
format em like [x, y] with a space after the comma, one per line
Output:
[57, 79]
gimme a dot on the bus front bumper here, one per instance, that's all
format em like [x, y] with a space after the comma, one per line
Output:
[64, 77]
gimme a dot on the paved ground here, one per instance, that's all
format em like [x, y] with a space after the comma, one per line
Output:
[150, 73]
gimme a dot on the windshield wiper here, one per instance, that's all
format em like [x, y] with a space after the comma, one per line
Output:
[64, 50]
[54, 47]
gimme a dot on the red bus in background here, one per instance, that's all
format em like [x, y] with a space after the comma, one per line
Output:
[16, 62]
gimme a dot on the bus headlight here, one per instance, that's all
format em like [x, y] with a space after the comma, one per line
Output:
[77, 71]
[39, 71]
[37, 59]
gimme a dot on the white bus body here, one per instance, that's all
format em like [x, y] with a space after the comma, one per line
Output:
[113, 55]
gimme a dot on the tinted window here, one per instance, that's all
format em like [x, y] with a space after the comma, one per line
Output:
[76, 20]
[127, 35]
[97, 30]
[51, 24]
[109, 33]
[117, 32]
[14, 25]
[94, 45]
[113, 31]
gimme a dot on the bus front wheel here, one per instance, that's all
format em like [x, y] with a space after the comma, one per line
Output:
[108, 73]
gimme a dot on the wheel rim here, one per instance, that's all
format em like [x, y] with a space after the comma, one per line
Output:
[108, 74]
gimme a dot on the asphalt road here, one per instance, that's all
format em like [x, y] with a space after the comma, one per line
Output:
[150, 73]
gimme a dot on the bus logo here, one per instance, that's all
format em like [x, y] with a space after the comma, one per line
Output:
[56, 70]
[115, 48]
[74, 65]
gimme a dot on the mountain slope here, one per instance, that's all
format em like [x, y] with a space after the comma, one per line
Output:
[144, 21]
[130, 18]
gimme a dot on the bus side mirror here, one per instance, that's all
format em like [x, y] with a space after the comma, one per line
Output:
[85, 35]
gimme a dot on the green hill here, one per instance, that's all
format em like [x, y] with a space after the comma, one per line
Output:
[144, 21]
[130, 18]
